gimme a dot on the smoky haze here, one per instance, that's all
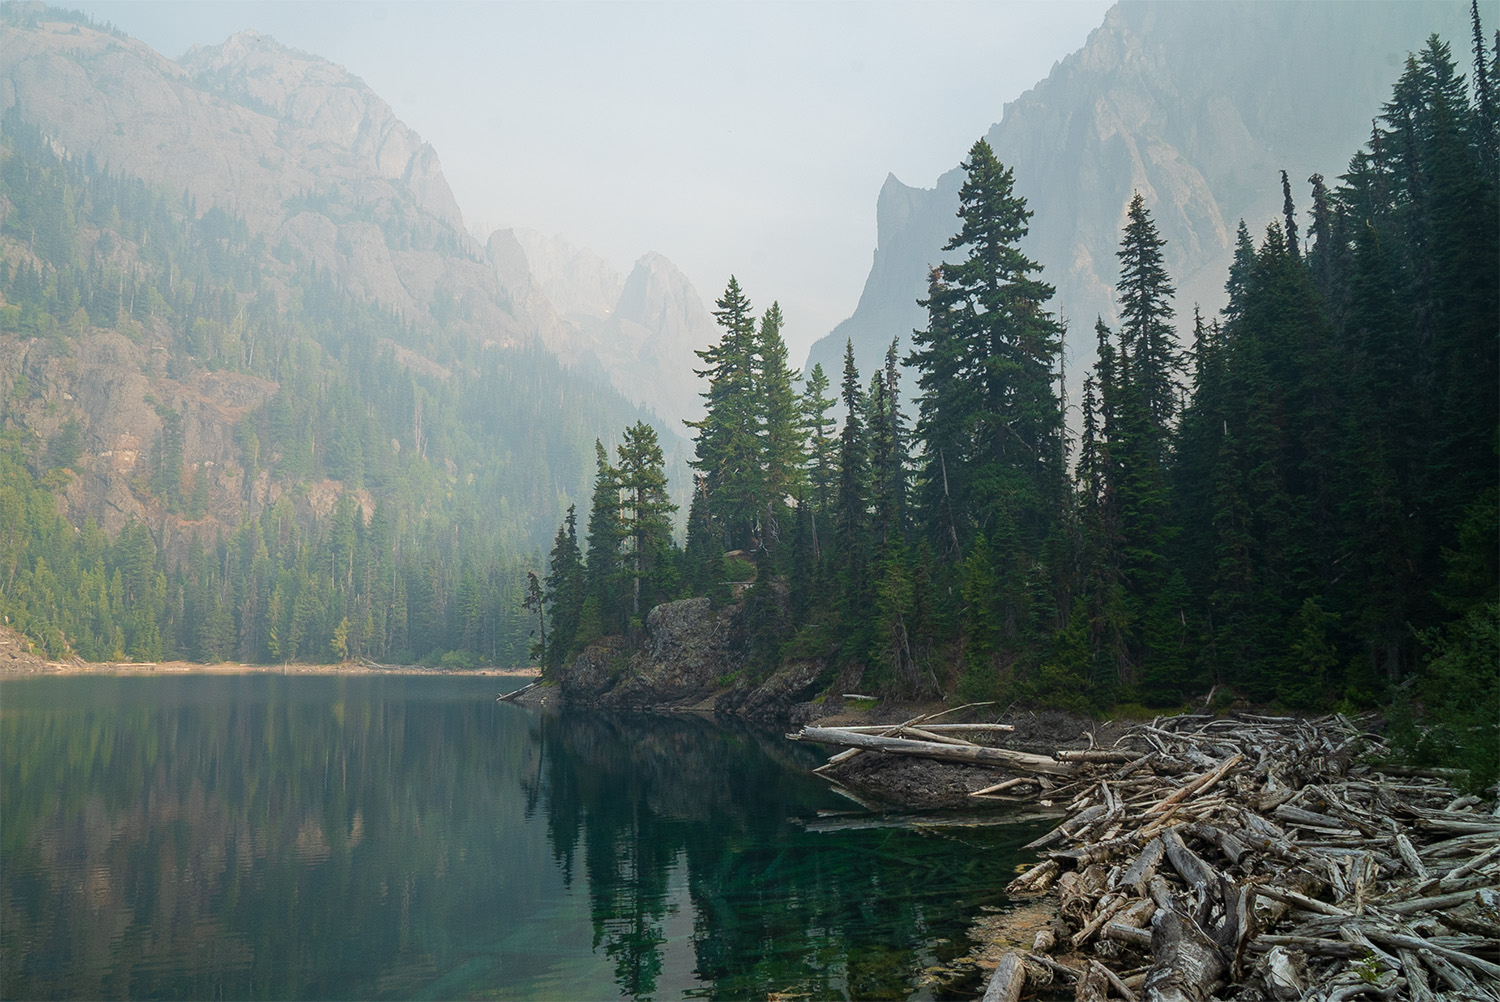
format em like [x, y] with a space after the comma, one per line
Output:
[748, 138]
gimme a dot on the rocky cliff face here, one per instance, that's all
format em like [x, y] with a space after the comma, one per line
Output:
[118, 391]
[690, 653]
[688, 647]
[1196, 106]
[313, 160]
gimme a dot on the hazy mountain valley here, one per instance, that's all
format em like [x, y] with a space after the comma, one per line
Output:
[1159, 449]
[267, 397]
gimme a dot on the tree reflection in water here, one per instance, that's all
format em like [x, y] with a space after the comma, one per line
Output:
[774, 906]
[269, 837]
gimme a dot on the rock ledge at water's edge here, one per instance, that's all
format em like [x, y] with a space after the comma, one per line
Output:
[686, 661]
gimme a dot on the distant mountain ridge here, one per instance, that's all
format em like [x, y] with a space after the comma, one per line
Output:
[1196, 105]
[315, 253]
[321, 169]
[640, 329]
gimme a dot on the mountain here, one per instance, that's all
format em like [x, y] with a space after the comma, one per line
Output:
[580, 284]
[1198, 106]
[314, 162]
[639, 331]
[239, 275]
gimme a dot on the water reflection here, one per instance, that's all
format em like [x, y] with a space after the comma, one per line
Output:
[266, 837]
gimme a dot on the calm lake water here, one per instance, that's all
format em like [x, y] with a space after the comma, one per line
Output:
[262, 836]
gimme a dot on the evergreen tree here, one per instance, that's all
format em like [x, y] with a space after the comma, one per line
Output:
[779, 420]
[645, 518]
[1146, 335]
[888, 448]
[989, 417]
[564, 589]
[728, 449]
[822, 444]
[853, 485]
[1239, 272]
[1289, 217]
[601, 573]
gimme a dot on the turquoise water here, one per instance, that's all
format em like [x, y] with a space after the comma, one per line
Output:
[263, 836]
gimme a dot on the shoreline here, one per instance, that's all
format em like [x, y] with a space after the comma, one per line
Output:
[177, 669]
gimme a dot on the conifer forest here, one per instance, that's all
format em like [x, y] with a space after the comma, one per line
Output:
[1294, 501]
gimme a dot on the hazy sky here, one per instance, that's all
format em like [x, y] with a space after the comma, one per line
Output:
[744, 138]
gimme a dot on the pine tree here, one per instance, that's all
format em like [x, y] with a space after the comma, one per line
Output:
[728, 450]
[564, 589]
[1289, 218]
[853, 483]
[989, 417]
[645, 519]
[1239, 272]
[602, 566]
[822, 444]
[1146, 335]
[888, 449]
[779, 418]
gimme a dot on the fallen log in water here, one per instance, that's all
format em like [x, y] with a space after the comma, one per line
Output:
[976, 754]
[514, 694]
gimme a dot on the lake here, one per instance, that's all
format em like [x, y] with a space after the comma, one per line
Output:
[265, 836]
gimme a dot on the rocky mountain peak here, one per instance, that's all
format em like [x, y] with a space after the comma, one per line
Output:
[310, 93]
[1196, 106]
[580, 284]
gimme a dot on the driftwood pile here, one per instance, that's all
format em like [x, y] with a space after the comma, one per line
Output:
[1253, 857]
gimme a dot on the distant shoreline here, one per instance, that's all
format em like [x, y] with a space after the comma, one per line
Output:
[180, 668]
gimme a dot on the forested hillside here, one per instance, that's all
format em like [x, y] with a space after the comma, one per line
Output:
[1301, 506]
[212, 450]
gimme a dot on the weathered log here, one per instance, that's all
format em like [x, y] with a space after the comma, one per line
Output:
[1191, 866]
[1036, 879]
[1133, 935]
[1102, 916]
[1296, 815]
[1143, 867]
[1009, 979]
[1279, 971]
[928, 726]
[1016, 781]
[1233, 849]
[1121, 988]
[1188, 966]
[1412, 906]
[1097, 755]
[514, 694]
[1198, 785]
[1476, 863]
[1400, 940]
[1416, 977]
[1097, 852]
[1092, 985]
[943, 739]
[941, 752]
[1302, 901]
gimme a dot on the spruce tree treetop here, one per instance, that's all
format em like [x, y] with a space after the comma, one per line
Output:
[726, 437]
[1146, 334]
[989, 416]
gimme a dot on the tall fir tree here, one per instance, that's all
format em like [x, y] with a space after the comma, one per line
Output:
[602, 609]
[779, 419]
[564, 589]
[989, 417]
[727, 448]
